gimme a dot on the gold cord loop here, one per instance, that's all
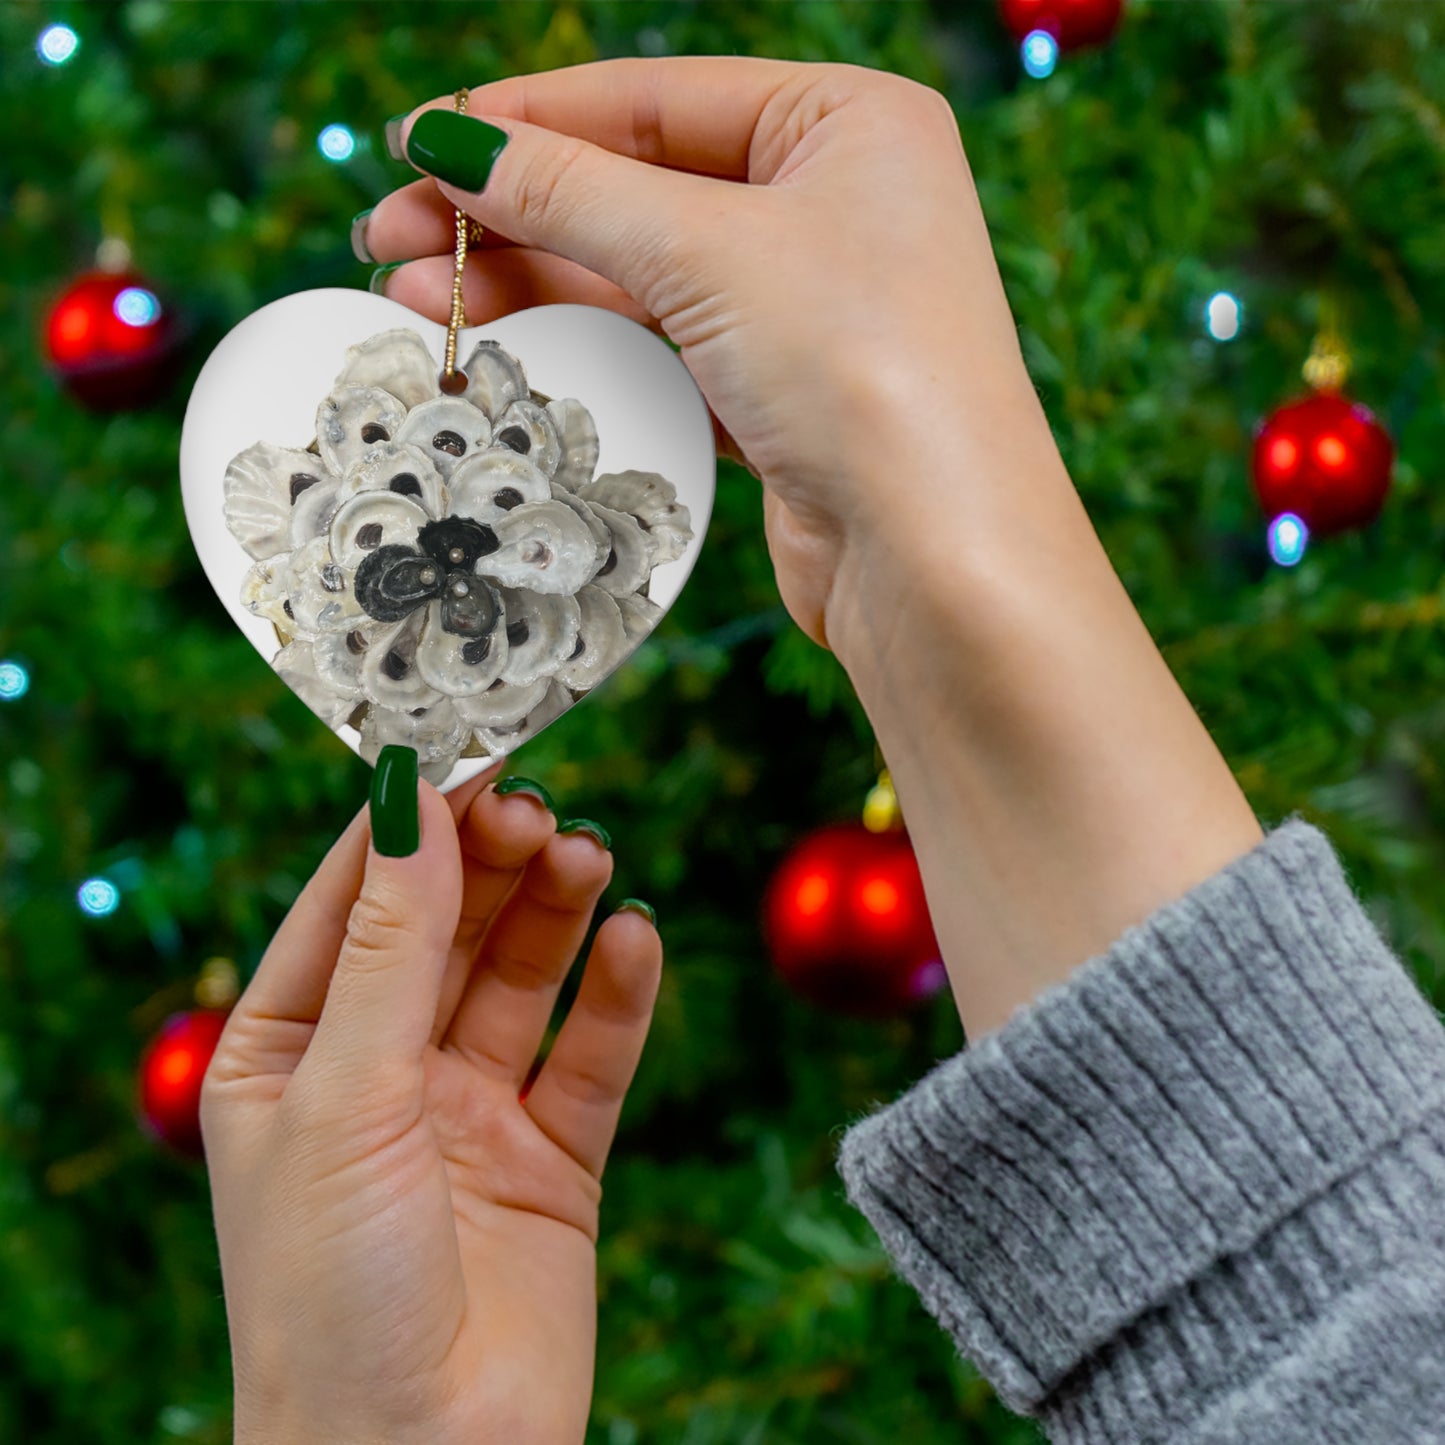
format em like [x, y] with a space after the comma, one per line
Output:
[467, 230]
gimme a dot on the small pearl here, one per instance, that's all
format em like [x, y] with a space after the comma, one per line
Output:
[428, 576]
[456, 554]
[460, 588]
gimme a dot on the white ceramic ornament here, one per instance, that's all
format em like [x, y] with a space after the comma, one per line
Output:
[449, 572]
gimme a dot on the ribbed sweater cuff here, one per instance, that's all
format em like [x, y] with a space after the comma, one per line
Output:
[1125, 1175]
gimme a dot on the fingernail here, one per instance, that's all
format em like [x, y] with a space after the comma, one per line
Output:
[636, 905]
[586, 825]
[393, 137]
[359, 248]
[377, 284]
[515, 784]
[455, 148]
[395, 826]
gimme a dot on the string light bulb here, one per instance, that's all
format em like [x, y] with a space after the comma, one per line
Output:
[336, 143]
[1288, 538]
[1223, 316]
[98, 897]
[14, 681]
[1040, 54]
[57, 44]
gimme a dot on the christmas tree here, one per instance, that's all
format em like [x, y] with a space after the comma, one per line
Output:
[1179, 214]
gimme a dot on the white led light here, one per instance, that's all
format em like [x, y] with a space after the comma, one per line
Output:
[1288, 538]
[98, 897]
[14, 681]
[137, 307]
[336, 143]
[1040, 52]
[57, 44]
[1223, 316]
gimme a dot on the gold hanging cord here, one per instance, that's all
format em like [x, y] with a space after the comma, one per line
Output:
[467, 230]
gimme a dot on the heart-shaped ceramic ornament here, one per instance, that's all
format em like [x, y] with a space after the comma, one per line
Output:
[449, 570]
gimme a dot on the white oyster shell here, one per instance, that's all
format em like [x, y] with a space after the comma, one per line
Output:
[503, 704]
[438, 736]
[495, 378]
[602, 640]
[543, 547]
[529, 429]
[501, 740]
[371, 520]
[448, 429]
[652, 500]
[397, 467]
[313, 509]
[260, 486]
[296, 667]
[577, 437]
[352, 419]
[601, 533]
[445, 659]
[396, 361]
[541, 633]
[320, 592]
[492, 483]
[639, 616]
[389, 674]
[629, 561]
[338, 657]
[264, 587]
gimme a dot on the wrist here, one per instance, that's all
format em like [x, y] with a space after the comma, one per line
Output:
[940, 538]
[945, 464]
[1057, 784]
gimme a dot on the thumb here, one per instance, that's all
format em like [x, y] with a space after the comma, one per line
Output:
[633, 223]
[382, 1000]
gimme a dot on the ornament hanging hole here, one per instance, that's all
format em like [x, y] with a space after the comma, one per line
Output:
[452, 383]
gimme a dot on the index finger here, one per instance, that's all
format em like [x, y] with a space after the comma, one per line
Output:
[697, 113]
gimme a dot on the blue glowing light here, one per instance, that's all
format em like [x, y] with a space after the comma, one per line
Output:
[1288, 538]
[1223, 316]
[98, 897]
[57, 44]
[336, 143]
[14, 681]
[1040, 52]
[137, 307]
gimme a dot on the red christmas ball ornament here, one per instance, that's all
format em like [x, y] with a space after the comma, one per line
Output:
[1326, 459]
[847, 923]
[1072, 23]
[171, 1071]
[111, 341]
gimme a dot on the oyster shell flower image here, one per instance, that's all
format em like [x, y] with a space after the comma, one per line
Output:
[445, 571]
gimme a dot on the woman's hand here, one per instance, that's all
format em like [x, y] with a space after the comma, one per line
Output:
[808, 235]
[408, 1249]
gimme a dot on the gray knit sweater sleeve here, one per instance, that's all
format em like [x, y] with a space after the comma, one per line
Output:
[1196, 1192]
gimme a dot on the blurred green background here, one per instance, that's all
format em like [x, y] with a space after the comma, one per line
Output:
[1291, 154]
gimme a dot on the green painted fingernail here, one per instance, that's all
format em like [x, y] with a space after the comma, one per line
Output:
[393, 136]
[395, 825]
[636, 905]
[455, 148]
[377, 284]
[515, 784]
[586, 825]
[359, 248]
